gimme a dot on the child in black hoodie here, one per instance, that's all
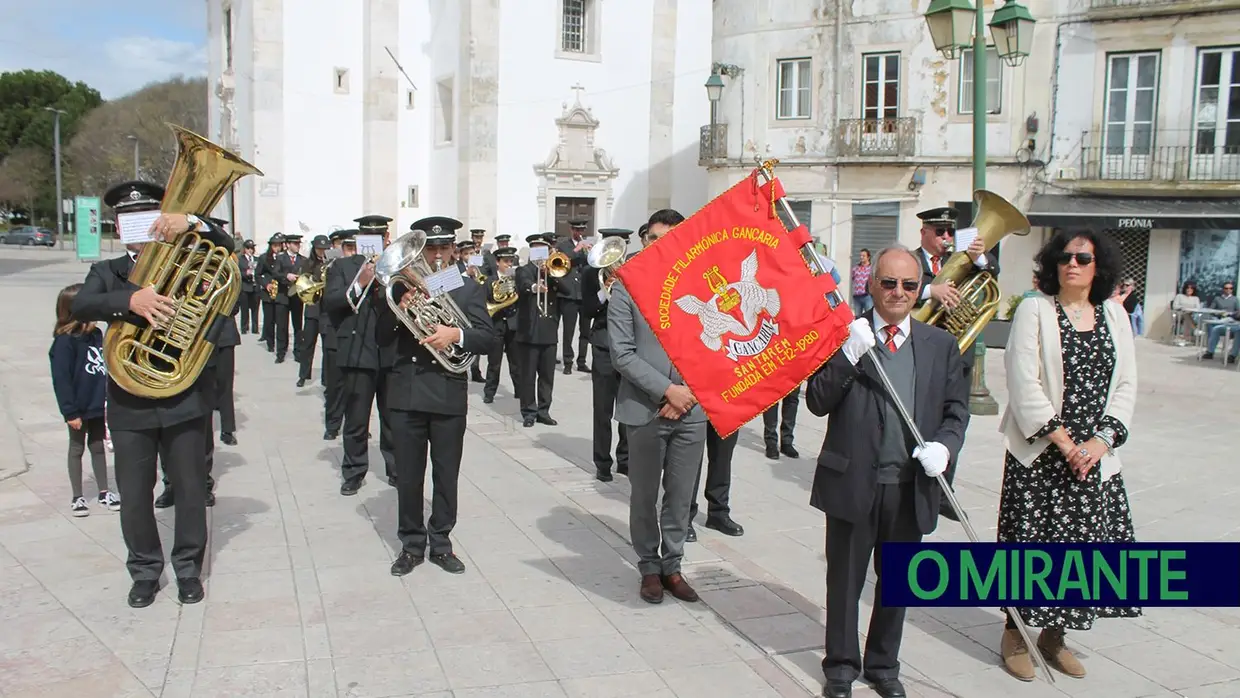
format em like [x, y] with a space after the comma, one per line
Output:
[80, 379]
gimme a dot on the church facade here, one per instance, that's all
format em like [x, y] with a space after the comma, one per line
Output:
[510, 115]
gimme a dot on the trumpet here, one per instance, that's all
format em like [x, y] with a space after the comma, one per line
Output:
[607, 256]
[356, 278]
[556, 266]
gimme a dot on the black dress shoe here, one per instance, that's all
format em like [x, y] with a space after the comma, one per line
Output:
[602, 475]
[488, 399]
[546, 420]
[279, 359]
[946, 511]
[449, 563]
[477, 378]
[888, 688]
[405, 562]
[527, 422]
[301, 382]
[351, 486]
[165, 499]
[568, 369]
[583, 368]
[227, 438]
[142, 593]
[331, 435]
[392, 480]
[690, 534]
[837, 689]
[210, 499]
[772, 451]
[789, 451]
[725, 525]
[622, 470]
[189, 590]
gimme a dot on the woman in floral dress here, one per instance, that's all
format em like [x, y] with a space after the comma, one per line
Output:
[1071, 376]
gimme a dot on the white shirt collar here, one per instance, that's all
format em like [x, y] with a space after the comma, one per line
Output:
[880, 330]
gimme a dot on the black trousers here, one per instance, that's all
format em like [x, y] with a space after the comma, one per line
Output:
[225, 374]
[208, 437]
[569, 312]
[718, 475]
[849, 547]
[444, 436]
[333, 392]
[296, 319]
[537, 376]
[249, 311]
[269, 322]
[305, 354]
[281, 328]
[136, 452]
[362, 389]
[605, 382]
[774, 432]
[506, 347]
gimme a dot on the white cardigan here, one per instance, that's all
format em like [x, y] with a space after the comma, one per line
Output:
[1034, 364]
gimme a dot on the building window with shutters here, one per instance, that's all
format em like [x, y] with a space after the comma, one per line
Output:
[802, 210]
[874, 227]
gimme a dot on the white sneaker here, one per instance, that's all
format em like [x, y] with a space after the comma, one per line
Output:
[79, 508]
[109, 500]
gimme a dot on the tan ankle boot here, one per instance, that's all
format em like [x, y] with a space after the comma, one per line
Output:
[1051, 644]
[1015, 655]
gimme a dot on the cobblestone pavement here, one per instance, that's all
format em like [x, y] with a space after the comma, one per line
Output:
[300, 602]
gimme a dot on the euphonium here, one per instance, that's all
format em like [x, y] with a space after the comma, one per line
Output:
[979, 290]
[607, 256]
[504, 291]
[307, 288]
[402, 265]
[195, 269]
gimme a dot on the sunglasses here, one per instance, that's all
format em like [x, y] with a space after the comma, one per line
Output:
[890, 284]
[1082, 258]
[944, 232]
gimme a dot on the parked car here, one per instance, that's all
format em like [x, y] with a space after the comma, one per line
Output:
[28, 235]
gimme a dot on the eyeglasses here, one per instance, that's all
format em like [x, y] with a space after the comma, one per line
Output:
[907, 284]
[1084, 259]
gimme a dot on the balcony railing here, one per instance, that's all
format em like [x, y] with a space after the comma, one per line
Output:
[1167, 158]
[1158, 5]
[882, 137]
[712, 144]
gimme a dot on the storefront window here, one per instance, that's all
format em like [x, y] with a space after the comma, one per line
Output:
[1209, 257]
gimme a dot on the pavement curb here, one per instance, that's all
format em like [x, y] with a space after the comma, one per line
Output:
[13, 460]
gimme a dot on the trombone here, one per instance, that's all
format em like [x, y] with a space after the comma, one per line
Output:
[361, 296]
[555, 266]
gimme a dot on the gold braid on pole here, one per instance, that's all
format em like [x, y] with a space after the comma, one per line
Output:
[768, 167]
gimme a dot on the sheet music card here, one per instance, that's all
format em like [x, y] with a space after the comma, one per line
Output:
[136, 227]
[369, 244]
[444, 280]
[964, 238]
[539, 253]
[475, 260]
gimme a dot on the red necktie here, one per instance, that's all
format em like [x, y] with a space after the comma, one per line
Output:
[934, 265]
[892, 331]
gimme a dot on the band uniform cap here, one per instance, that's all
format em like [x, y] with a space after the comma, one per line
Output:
[641, 232]
[464, 244]
[477, 231]
[220, 222]
[292, 238]
[248, 244]
[440, 230]
[133, 194]
[505, 253]
[942, 217]
[615, 232]
[341, 235]
[578, 223]
[372, 222]
[536, 239]
[504, 237]
[550, 238]
[321, 242]
[276, 239]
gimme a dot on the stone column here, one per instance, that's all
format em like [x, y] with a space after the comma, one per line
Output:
[267, 93]
[662, 96]
[380, 102]
[478, 121]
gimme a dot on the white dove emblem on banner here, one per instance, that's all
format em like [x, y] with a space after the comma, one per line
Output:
[743, 309]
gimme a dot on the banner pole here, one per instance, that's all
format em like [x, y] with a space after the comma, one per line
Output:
[810, 255]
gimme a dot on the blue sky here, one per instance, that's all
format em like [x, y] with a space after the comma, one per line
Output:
[115, 47]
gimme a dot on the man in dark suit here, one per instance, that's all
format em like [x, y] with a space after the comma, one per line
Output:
[429, 406]
[144, 428]
[604, 379]
[536, 335]
[488, 256]
[568, 292]
[297, 264]
[505, 323]
[311, 311]
[344, 244]
[247, 261]
[266, 275]
[469, 260]
[938, 233]
[366, 332]
[872, 481]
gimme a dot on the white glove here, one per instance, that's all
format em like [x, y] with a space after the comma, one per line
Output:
[860, 340]
[933, 458]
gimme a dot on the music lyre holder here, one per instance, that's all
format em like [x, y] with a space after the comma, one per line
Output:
[810, 255]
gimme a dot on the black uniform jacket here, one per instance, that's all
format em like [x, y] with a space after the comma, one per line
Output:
[847, 475]
[249, 272]
[418, 382]
[533, 328]
[313, 267]
[593, 310]
[365, 339]
[570, 286]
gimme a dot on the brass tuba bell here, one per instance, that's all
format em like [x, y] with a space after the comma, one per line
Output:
[979, 290]
[607, 256]
[196, 270]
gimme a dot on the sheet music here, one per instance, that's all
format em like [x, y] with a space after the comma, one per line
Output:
[136, 227]
[369, 244]
[540, 252]
[444, 280]
[475, 260]
[964, 238]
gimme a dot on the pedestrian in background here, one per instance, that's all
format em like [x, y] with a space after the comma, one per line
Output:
[79, 377]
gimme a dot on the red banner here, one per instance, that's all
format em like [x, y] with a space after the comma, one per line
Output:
[735, 305]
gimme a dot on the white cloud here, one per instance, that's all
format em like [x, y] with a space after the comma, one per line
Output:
[146, 59]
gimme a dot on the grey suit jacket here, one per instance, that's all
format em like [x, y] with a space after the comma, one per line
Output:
[645, 371]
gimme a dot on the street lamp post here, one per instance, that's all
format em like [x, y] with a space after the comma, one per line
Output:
[951, 22]
[136, 169]
[60, 201]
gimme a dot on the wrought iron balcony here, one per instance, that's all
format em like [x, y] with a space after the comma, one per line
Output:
[881, 137]
[1167, 157]
[1158, 7]
[712, 144]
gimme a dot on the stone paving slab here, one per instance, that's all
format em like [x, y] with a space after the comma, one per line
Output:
[300, 603]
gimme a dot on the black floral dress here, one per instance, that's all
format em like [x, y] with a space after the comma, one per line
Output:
[1045, 502]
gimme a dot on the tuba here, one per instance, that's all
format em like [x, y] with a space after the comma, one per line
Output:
[607, 256]
[979, 290]
[195, 269]
[504, 291]
[556, 266]
[402, 264]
